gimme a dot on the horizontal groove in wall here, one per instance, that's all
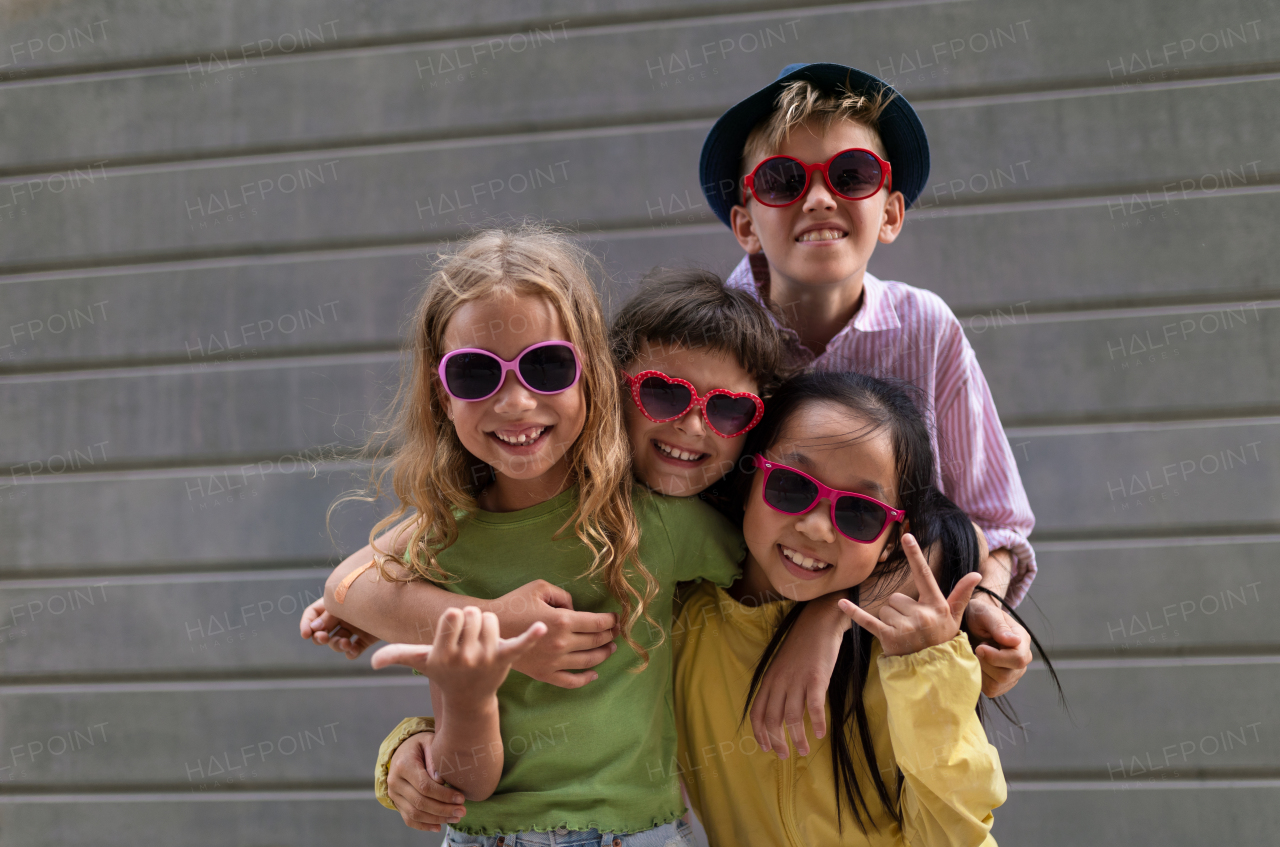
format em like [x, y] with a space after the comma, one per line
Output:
[1124, 663]
[157, 794]
[282, 360]
[584, 26]
[1088, 198]
[396, 678]
[1023, 784]
[1048, 430]
[574, 129]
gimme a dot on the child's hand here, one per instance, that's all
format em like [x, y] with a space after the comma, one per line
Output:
[322, 628]
[1005, 648]
[422, 800]
[468, 660]
[797, 680]
[576, 641]
[909, 626]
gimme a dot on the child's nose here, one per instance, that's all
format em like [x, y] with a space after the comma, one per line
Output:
[819, 196]
[692, 423]
[512, 396]
[816, 523]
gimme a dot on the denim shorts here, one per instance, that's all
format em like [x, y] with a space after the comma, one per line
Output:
[674, 834]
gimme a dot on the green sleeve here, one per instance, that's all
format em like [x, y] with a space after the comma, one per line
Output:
[704, 544]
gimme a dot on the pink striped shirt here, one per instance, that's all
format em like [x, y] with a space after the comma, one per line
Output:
[911, 334]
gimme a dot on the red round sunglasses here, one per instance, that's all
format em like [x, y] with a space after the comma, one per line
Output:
[663, 398]
[855, 516]
[854, 174]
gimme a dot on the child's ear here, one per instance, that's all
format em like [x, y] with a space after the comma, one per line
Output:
[744, 229]
[895, 211]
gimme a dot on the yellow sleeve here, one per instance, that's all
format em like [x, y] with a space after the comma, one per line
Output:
[953, 774]
[407, 727]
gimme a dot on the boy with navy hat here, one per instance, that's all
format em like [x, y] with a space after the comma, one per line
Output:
[812, 172]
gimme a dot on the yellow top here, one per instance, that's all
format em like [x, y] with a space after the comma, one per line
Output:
[920, 708]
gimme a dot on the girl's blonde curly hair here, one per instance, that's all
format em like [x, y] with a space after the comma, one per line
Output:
[433, 476]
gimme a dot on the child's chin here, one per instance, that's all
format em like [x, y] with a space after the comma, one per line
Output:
[673, 486]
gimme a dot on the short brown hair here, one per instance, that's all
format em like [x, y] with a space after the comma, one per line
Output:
[801, 101]
[693, 309]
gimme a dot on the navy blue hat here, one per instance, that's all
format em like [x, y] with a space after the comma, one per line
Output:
[900, 130]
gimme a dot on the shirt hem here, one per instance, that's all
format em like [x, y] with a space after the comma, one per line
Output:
[573, 826]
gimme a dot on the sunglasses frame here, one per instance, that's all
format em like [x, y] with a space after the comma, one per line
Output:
[633, 383]
[513, 365]
[749, 182]
[826, 492]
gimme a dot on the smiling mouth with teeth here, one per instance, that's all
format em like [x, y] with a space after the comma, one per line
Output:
[676, 453]
[800, 560]
[822, 235]
[523, 439]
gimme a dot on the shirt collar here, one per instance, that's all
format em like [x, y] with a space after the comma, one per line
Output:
[877, 310]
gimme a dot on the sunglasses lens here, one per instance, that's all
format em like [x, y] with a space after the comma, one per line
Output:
[855, 174]
[471, 376]
[859, 519]
[730, 415]
[549, 369]
[789, 492]
[779, 181]
[664, 400]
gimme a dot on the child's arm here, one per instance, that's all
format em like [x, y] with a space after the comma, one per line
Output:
[406, 612]
[466, 664]
[320, 627]
[931, 682]
[405, 783]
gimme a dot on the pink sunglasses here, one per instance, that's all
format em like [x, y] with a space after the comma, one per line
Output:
[548, 367]
[857, 517]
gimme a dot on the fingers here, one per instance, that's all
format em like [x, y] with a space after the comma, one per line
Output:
[593, 622]
[997, 661]
[554, 595]
[489, 635]
[958, 601]
[863, 619]
[920, 571]
[793, 718]
[998, 681]
[410, 655]
[564, 679]
[578, 641]
[990, 623]
[815, 702]
[449, 629]
[580, 660]
[766, 715]
[309, 614]
[510, 649]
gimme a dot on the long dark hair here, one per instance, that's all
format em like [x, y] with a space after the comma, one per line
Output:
[884, 406]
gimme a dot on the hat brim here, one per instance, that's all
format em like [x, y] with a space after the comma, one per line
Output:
[900, 131]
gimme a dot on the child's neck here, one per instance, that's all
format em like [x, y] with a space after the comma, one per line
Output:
[505, 494]
[817, 312]
[754, 588]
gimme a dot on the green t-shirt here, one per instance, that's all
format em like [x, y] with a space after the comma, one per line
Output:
[595, 757]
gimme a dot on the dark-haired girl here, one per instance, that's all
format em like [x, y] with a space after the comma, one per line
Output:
[839, 495]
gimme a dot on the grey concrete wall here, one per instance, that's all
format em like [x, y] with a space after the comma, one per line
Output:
[213, 215]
